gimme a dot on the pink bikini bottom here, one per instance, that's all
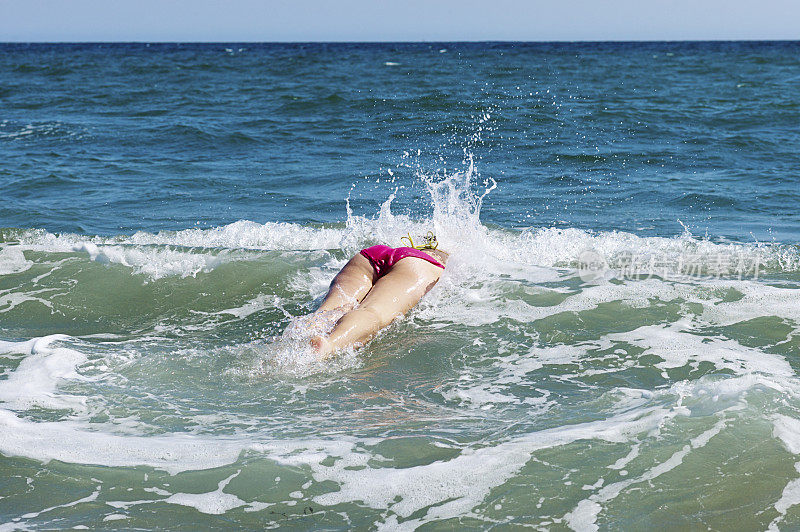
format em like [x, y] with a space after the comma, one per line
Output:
[383, 258]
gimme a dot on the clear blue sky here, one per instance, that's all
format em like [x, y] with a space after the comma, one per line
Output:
[408, 20]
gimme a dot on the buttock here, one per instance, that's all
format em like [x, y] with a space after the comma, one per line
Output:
[384, 258]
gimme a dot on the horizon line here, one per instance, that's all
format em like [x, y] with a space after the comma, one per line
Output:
[481, 41]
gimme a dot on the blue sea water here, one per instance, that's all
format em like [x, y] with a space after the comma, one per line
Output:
[596, 136]
[614, 343]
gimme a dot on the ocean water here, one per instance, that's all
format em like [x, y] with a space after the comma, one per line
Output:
[615, 343]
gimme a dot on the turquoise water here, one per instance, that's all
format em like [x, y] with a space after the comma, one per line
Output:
[614, 343]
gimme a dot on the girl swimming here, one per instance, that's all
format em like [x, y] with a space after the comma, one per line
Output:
[376, 286]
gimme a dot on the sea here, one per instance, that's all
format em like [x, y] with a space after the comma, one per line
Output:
[614, 344]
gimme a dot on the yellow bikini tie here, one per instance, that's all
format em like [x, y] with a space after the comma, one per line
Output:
[430, 241]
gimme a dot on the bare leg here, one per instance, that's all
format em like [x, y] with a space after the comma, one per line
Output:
[393, 295]
[349, 286]
[347, 289]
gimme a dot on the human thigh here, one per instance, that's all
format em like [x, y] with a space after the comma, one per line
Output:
[352, 283]
[399, 290]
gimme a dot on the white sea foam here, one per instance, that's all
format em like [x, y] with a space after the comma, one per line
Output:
[787, 430]
[10, 299]
[758, 299]
[35, 383]
[463, 481]
[678, 346]
[480, 396]
[247, 235]
[468, 297]
[23, 348]
[12, 260]
[452, 487]
[584, 516]
[252, 306]
[35, 380]
[214, 502]
[86, 443]
[789, 497]
[457, 486]
[88, 498]
[291, 352]
[457, 228]
[153, 263]
[456, 202]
